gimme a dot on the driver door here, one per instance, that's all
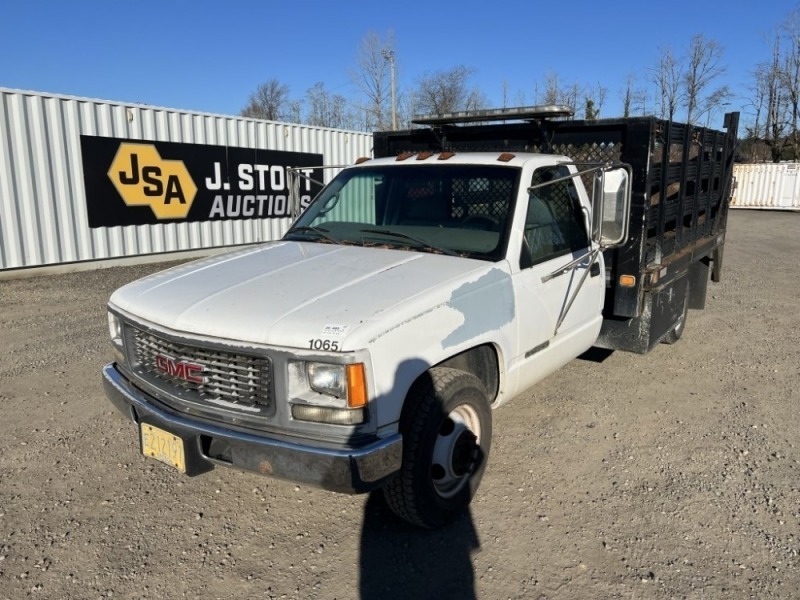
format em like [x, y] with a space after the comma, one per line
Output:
[556, 233]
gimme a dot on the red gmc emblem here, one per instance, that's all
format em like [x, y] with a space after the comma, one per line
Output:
[182, 369]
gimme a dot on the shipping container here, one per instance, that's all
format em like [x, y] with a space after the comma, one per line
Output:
[46, 170]
[767, 186]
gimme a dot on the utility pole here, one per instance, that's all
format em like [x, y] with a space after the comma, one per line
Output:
[389, 56]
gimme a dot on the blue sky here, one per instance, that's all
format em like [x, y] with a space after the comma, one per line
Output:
[209, 56]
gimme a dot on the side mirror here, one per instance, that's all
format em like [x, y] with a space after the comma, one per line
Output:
[611, 201]
[294, 179]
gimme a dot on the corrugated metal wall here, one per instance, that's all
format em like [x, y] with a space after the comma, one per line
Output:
[43, 218]
[767, 185]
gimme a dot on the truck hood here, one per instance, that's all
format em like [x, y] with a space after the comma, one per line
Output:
[291, 293]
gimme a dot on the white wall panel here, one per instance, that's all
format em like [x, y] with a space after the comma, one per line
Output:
[43, 215]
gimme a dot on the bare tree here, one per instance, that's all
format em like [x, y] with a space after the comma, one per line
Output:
[373, 78]
[759, 92]
[476, 100]
[635, 98]
[790, 73]
[713, 103]
[777, 117]
[571, 96]
[643, 103]
[771, 124]
[704, 67]
[553, 92]
[324, 109]
[667, 79]
[627, 95]
[447, 91]
[406, 109]
[270, 101]
[294, 111]
[776, 95]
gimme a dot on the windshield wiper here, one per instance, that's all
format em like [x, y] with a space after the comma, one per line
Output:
[320, 231]
[416, 240]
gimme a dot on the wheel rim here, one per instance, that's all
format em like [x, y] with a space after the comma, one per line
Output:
[456, 451]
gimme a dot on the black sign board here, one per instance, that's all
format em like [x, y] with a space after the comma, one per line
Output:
[136, 182]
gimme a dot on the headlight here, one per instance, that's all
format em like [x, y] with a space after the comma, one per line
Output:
[327, 379]
[328, 393]
[114, 328]
[115, 331]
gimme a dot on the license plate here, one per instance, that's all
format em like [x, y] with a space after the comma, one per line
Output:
[163, 446]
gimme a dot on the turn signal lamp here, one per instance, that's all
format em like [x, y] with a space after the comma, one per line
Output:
[627, 281]
[356, 386]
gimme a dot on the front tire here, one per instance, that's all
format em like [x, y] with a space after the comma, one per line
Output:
[447, 432]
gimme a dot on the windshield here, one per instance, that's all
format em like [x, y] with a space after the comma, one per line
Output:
[463, 210]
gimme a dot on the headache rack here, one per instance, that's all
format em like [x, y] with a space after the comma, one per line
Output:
[682, 177]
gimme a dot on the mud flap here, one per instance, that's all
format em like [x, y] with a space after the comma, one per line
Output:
[716, 272]
[698, 284]
[661, 308]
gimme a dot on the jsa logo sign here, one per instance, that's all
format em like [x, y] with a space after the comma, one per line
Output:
[143, 178]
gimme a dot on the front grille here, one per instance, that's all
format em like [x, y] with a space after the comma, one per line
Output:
[203, 375]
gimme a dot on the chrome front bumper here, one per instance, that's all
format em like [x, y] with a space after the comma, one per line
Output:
[347, 470]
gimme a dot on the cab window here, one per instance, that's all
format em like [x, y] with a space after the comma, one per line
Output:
[555, 224]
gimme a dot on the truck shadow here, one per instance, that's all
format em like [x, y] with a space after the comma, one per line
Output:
[399, 560]
[595, 354]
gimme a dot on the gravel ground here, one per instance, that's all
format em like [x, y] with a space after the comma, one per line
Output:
[671, 475]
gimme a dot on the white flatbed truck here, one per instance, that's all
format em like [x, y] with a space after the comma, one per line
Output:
[421, 289]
